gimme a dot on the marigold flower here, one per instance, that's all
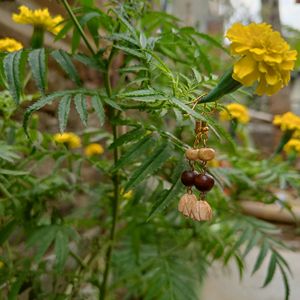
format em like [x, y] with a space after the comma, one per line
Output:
[287, 122]
[70, 139]
[9, 45]
[266, 57]
[235, 111]
[40, 18]
[93, 149]
[292, 145]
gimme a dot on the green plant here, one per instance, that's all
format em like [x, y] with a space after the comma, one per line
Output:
[126, 239]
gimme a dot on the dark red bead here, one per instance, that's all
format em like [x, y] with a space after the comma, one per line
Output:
[204, 182]
[188, 177]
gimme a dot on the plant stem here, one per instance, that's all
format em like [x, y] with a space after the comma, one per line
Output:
[78, 26]
[115, 180]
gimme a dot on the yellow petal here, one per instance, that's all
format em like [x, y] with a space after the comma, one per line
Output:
[244, 67]
[272, 76]
[273, 59]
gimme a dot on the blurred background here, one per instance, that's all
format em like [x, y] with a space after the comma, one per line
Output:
[212, 17]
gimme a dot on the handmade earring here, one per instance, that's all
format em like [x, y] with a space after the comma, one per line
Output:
[189, 205]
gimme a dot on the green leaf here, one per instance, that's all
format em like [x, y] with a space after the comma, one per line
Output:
[134, 151]
[124, 37]
[37, 62]
[285, 282]
[146, 95]
[98, 107]
[75, 40]
[130, 51]
[126, 23]
[150, 165]
[128, 137]
[7, 153]
[39, 104]
[63, 112]
[167, 198]
[271, 269]
[64, 60]
[42, 238]
[6, 230]
[251, 243]
[80, 105]
[15, 288]
[187, 109]
[61, 250]
[139, 93]
[13, 172]
[261, 256]
[2, 75]
[112, 103]
[13, 72]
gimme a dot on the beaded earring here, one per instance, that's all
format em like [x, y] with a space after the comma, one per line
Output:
[189, 205]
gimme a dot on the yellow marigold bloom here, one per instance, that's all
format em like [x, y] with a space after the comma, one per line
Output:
[93, 149]
[287, 121]
[9, 45]
[235, 111]
[68, 138]
[266, 57]
[39, 18]
[292, 145]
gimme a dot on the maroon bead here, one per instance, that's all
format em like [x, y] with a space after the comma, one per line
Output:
[188, 178]
[204, 182]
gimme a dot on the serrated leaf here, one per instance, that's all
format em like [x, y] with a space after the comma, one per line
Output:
[139, 93]
[81, 108]
[13, 73]
[130, 51]
[112, 103]
[123, 37]
[146, 95]
[134, 151]
[128, 137]
[64, 60]
[39, 104]
[37, 62]
[63, 112]
[126, 23]
[271, 269]
[261, 256]
[171, 194]
[149, 166]
[98, 107]
[61, 250]
[187, 109]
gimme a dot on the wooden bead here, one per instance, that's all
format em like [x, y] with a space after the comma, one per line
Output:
[201, 211]
[188, 178]
[204, 182]
[186, 203]
[191, 154]
[206, 154]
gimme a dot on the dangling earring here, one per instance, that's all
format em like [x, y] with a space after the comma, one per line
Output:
[189, 205]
